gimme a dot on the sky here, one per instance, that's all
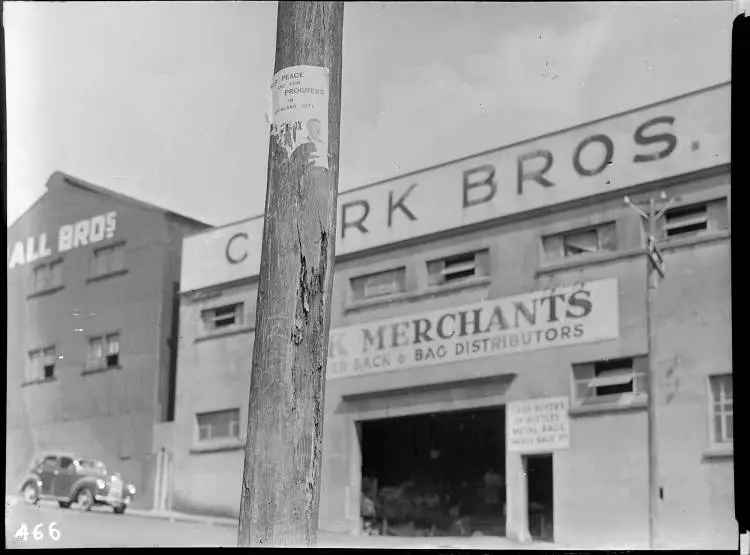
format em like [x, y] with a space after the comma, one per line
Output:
[166, 101]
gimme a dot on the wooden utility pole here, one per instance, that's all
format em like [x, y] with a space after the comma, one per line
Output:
[654, 266]
[281, 478]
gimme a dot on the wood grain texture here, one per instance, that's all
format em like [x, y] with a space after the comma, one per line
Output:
[281, 478]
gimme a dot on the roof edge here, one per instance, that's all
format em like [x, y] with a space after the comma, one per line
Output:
[509, 145]
[60, 177]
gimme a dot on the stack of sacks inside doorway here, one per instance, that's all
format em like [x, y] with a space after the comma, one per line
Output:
[412, 509]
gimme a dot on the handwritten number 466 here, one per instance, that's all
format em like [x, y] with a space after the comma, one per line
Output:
[23, 532]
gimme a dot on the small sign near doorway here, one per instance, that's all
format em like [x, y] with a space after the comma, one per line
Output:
[538, 425]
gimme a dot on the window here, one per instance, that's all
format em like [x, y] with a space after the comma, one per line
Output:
[104, 352]
[605, 381]
[65, 463]
[722, 409]
[222, 317]
[379, 285]
[47, 276]
[108, 260]
[41, 364]
[49, 463]
[458, 268]
[694, 219]
[581, 241]
[219, 424]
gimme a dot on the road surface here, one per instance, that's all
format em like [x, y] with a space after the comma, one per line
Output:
[100, 527]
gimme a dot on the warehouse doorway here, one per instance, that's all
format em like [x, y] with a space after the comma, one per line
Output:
[539, 481]
[438, 474]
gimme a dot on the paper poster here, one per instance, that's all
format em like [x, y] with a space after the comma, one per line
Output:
[300, 112]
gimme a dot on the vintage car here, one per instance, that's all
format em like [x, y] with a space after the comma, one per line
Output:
[69, 478]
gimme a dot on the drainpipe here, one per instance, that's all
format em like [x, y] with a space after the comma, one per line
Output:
[157, 480]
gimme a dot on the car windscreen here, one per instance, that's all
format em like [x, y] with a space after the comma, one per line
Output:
[96, 466]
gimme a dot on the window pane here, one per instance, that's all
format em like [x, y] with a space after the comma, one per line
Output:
[553, 247]
[50, 463]
[224, 311]
[220, 429]
[581, 242]
[56, 274]
[118, 258]
[717, 427]
[101, 262]
[113, 344]
[582, 389]
[203, 432]
[384, 283]
[96, 347]
[729, 427]
[40, 278]
[608, 237]
[727, 383]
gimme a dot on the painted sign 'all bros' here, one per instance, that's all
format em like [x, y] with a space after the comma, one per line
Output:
[71, 236]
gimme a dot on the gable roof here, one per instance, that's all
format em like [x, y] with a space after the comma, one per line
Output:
[59, 179]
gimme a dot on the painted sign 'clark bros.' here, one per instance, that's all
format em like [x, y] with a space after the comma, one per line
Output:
[538, 425]
[677, 137]
[562, 316]
[71, 236]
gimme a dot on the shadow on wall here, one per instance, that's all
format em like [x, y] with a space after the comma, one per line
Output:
[432, 394]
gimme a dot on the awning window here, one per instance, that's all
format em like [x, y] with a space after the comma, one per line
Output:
[609, 379]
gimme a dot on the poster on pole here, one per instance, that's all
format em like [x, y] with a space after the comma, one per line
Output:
[538, 425]
[299, 124]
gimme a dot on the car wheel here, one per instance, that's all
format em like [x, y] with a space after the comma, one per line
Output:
[85, 499]
[119, 510]
[64, 504]
[31, 494]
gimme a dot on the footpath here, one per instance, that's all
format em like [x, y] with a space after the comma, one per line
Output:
[333, 539]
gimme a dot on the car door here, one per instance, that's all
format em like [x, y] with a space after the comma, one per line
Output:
[48, 473]
[65, 477]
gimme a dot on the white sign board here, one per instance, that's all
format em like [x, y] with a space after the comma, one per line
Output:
[676, 137]
[564, 316]
[538, 425]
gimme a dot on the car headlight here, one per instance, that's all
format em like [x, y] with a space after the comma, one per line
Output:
[131, 489]
[101, 484]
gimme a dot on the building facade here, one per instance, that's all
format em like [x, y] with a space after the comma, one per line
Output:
[490, 342]
[93, 278]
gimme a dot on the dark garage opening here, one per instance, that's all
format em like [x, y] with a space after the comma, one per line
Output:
[439, 474]
[539, 479]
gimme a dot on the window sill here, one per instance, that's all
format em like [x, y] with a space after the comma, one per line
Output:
[635, 404]
[109, 275]
[682, 242]
[46, 292]
[218, 334]
[100, 370]
[432, 291]
[587, 260]
[611, 256]
[39, 381]
[218, 447]
[719, 451]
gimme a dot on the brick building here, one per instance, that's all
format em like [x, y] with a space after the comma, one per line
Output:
[93, 278]
[490, 340]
